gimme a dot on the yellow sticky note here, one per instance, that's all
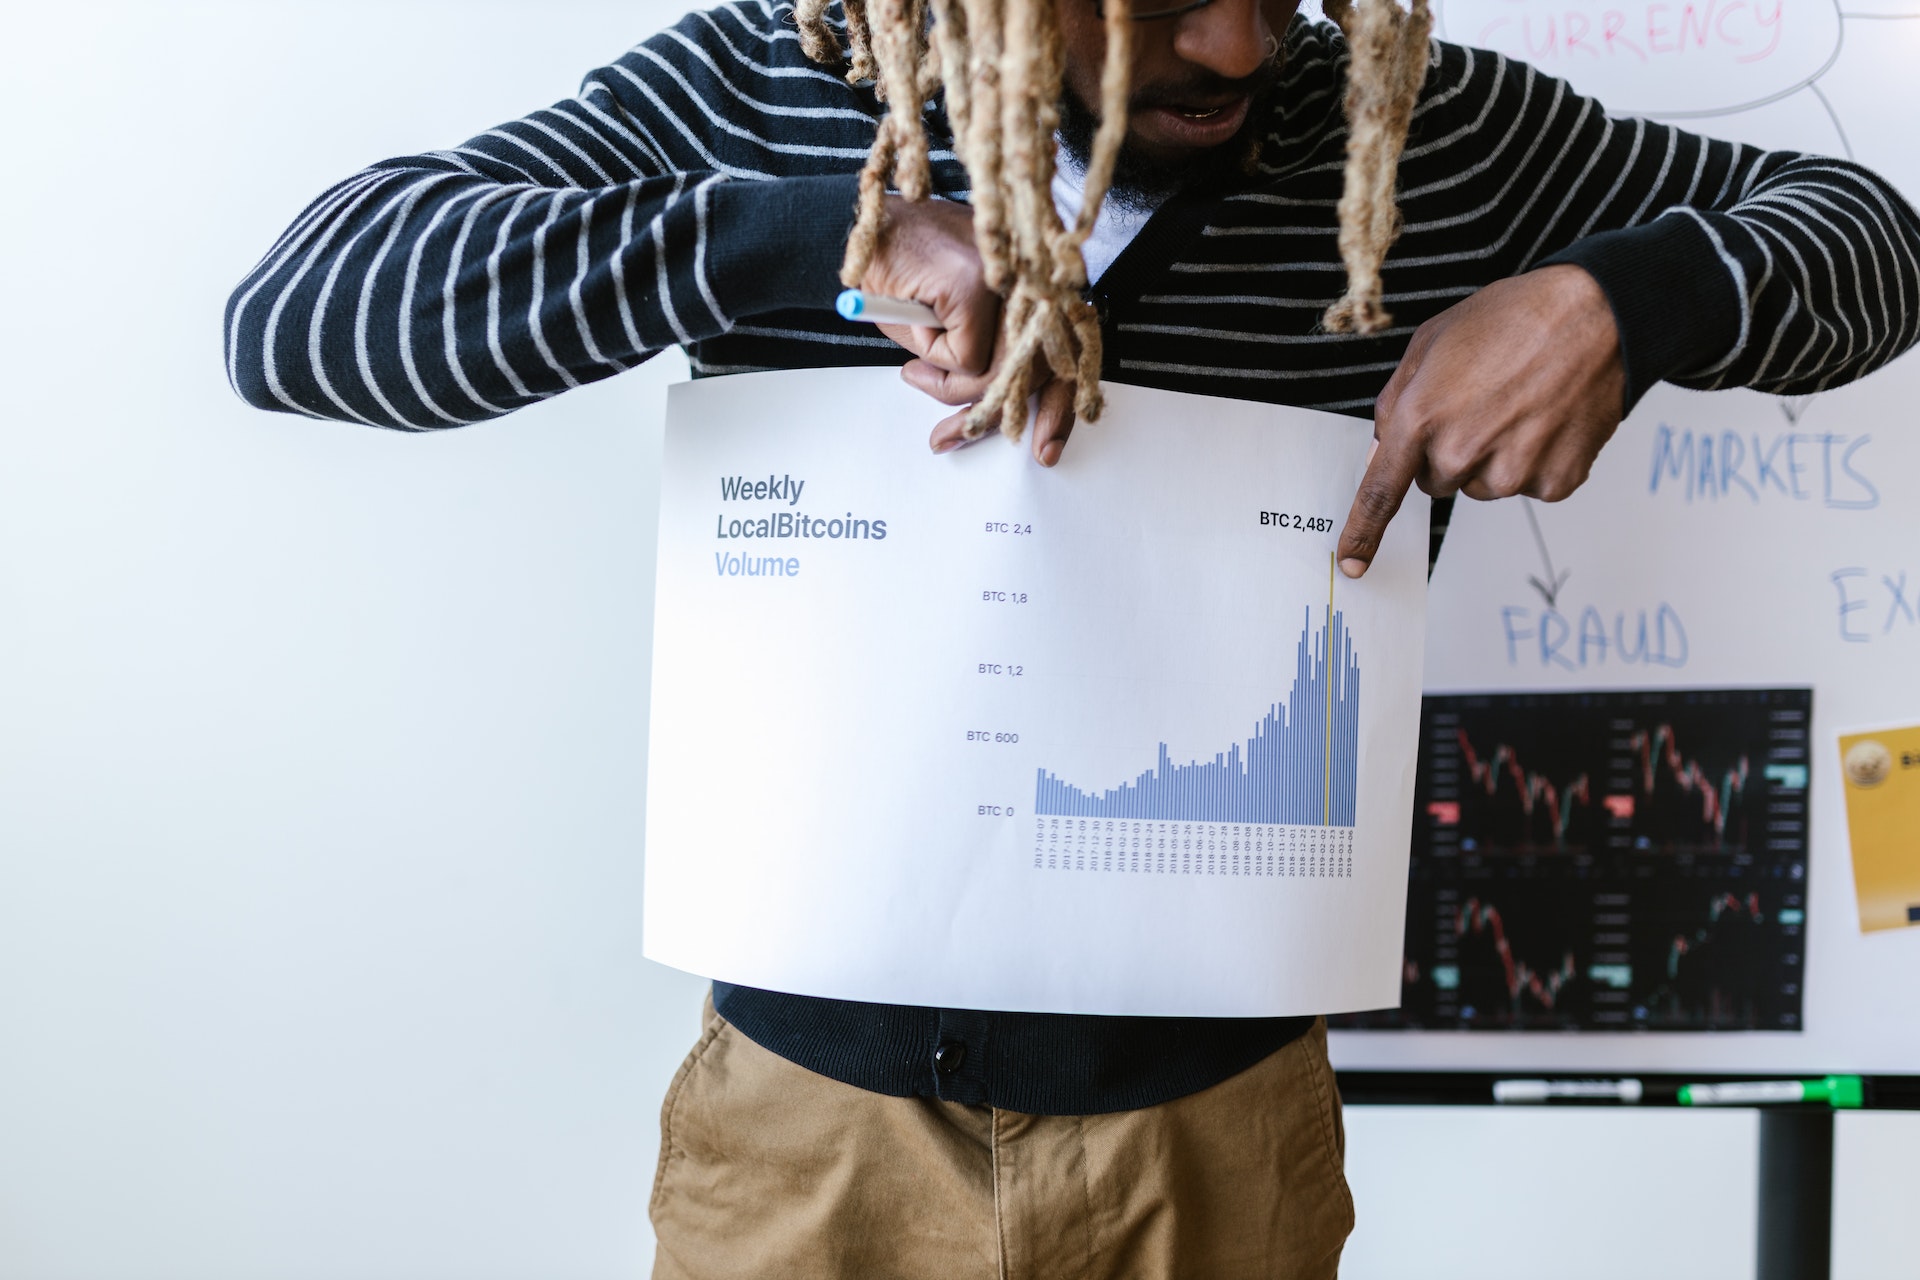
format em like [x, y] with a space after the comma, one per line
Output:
[1880, 772]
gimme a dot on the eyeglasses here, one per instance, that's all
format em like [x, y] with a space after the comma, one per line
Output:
[1149, 10]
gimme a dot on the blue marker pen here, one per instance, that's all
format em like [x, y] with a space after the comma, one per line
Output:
[875, 309]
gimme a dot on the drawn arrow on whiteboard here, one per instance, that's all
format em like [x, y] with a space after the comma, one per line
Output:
[1549, 589]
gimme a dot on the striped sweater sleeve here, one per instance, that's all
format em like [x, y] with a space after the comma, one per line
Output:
[559, 249]
[1725, 265]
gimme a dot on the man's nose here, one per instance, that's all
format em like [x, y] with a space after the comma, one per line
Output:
[1230, 38]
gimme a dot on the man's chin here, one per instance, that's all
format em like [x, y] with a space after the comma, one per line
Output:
[1149, 170]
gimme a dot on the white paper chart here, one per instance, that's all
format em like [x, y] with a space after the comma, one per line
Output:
[1108, 738]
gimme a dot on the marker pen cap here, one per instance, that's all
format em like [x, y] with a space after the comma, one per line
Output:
[1846, 1092]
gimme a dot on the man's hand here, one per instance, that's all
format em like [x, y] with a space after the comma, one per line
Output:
[1512, 391]
[926, 253]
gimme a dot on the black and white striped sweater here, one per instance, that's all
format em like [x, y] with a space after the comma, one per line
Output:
[698, 192]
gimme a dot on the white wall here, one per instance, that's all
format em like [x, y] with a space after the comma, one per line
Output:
[321, 748]
[1586, 1194]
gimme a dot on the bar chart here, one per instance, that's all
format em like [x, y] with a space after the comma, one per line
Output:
[1300, 767]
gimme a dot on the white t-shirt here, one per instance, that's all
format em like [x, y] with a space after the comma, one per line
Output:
[1113, 231]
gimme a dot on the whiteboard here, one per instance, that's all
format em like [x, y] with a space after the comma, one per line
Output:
[1809, 577]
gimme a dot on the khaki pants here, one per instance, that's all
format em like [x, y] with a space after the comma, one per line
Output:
[772, 1172]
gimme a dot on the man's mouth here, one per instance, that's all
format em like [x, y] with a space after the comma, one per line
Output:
[1192, 125]
[1179, 129]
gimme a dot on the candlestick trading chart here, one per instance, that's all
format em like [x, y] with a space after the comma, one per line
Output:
[1608, 861]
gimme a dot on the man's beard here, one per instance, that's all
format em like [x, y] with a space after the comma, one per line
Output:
[1141, 182]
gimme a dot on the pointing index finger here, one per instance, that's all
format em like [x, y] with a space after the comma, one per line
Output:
[1390, 471]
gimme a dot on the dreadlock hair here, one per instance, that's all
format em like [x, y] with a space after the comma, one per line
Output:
[1001, 64]
[1389, 65]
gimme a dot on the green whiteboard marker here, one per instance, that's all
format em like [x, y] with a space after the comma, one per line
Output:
[1837, 1091]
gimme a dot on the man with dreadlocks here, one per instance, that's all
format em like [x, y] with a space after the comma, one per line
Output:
[1213, 196]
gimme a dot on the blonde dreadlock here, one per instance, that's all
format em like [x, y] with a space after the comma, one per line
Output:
[1383, 82]
[1001, 63]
